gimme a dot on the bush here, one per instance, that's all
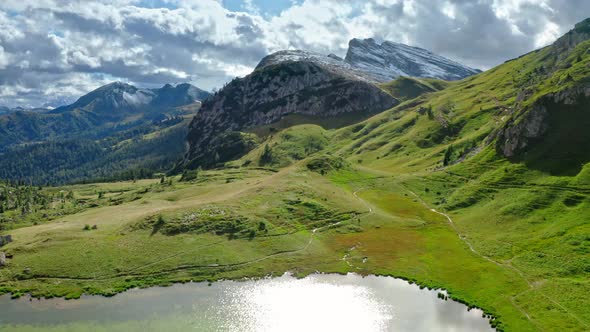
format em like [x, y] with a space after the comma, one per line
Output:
[190, 175]
[448, 156]
[266, 156]
[326, 163]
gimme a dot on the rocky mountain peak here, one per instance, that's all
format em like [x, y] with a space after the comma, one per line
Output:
[580, 33]
[371, 61]
[331, 63]
[389, 60]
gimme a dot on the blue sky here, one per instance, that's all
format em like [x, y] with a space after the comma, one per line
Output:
[267, 7]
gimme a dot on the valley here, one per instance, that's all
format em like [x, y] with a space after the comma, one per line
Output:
[478, 186]
[349, 220]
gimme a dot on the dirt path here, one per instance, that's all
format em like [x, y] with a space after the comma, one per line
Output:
[367, 205]
[531, 286]
[454, 227]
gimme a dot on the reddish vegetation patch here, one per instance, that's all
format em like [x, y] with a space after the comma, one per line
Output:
[382, 246]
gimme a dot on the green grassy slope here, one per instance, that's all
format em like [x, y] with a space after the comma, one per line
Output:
[358, 230]
[527, 214]
[406, 88]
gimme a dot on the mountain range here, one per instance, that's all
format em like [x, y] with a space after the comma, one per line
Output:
[284, 86]
[314, 88]
[115, 129]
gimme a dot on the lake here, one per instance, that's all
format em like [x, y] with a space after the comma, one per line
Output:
[319, 302]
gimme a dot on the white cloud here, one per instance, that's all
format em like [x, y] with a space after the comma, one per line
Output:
[449, 9]
[4, 58]
[549, 33]
[66, 47]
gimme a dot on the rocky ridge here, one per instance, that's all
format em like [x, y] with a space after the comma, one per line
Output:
[388, 60]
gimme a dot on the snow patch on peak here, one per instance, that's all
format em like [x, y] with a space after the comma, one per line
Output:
[371, 61]
[330, 62]
[296, 56]
[389, 60]
[139, 98]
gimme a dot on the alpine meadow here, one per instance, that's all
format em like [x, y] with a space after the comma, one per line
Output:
[383, 159]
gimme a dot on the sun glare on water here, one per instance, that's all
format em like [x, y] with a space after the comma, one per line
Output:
[305, 305]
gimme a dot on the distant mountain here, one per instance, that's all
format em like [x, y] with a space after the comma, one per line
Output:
[117, 98]
[388, 60]
[174, 96]
[111, 130]
[109, 109]
[286, 87]
[57, 101]
[5, 110]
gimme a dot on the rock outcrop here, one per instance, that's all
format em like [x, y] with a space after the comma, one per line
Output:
[5, 239]
[580, 33]
[516, 135]
[529, 125]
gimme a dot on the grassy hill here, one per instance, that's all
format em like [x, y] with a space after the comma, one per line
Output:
[406, 88]
[480, 187]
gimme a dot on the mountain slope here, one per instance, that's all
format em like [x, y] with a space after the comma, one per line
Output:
[407, 88]
[389, 60]
[508, 109]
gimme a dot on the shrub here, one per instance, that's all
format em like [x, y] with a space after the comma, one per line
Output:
[189, 175]
[326, 163]
[266, 156]
[448, 155]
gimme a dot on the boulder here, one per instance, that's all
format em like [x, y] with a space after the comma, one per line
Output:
[5, 239]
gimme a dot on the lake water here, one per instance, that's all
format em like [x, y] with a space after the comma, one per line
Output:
[320, 302]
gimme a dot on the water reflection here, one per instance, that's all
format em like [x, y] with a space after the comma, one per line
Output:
[314, 303]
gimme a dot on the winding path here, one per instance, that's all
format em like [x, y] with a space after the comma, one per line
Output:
[531, 286]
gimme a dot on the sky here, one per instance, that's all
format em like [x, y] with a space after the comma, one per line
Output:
[53, 51]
